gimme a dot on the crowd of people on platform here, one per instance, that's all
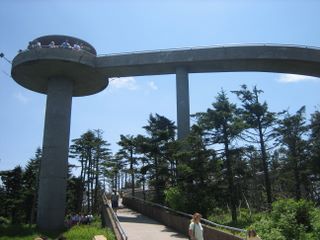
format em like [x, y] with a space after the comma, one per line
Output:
[77, 219]
[76, 46]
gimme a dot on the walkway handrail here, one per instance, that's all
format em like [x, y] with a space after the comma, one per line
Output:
[115, 218]
[207, 222]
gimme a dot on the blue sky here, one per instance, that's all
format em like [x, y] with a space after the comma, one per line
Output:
[125, 26]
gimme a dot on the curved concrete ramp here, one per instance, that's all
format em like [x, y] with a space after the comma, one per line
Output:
[140, 227]
[238, 58]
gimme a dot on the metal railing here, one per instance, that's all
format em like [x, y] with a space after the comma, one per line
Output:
[205, 221]
[115, 218]
[57, 47]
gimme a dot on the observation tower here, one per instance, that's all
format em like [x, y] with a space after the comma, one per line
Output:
[61, 72]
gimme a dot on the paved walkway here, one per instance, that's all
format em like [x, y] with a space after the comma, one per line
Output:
[140, 227]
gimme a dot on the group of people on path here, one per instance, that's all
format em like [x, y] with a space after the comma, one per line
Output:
[77, 219]
[196, 229]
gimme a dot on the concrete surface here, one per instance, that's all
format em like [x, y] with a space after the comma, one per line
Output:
[239, 58]
[55, 150]
[183, 105]
[32, 69]
[140, 227]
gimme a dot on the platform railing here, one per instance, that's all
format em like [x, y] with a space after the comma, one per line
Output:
[82, 49]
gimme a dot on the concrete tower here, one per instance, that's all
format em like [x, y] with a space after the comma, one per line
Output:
[61, 73]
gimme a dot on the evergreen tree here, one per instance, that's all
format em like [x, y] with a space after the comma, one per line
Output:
[292, 131]
[30, 186]
[161, 131]
[198, 168]
[260, 122]
[314, 143]
[13, 187]
[91, 151]
[222, 126]
[127, 154]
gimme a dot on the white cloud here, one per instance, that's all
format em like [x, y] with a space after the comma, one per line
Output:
[152, 85]
[21, 98]
[292, 78]
[124, 82]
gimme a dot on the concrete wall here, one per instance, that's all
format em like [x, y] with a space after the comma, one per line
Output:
[175, 221]
[108, 220]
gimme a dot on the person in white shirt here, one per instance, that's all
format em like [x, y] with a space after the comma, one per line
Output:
[195, 228]
[76, 47]
[52, 44]
[66, 44]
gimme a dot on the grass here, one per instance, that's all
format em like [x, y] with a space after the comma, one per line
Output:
[80, 232]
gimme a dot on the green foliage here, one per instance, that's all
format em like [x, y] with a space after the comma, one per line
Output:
[92, 152]
[222, 125]
[17, 232]
[4, 221]
[316, 223]
[157, 148]
[24, 232]
[88, 232]
[290, 220]
[220, 216]
[175, 198]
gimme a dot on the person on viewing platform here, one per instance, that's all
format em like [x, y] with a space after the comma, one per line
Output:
[52, 44]
[76, 47]
[195, 227]
[38, 44]
[65, 44]
[252, 235]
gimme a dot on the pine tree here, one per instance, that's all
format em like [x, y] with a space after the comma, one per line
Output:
[30, 186]
[161, 131]
[222, 126]
[127, 154]
[260, 122]
[291, 131]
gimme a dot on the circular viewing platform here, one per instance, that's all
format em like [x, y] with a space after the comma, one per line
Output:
[58, 56]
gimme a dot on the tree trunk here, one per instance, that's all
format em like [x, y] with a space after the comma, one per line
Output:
[296, 176]
[132, 173]
[230, 179]
[265, 166]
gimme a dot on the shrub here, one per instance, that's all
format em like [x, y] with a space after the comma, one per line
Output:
[175, 198]
[316, 223]
[290, 220]
[4, 221]
[267, 231]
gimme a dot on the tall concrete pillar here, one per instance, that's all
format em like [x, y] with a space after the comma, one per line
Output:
[61, 74]
[54, 162]
[183, 106]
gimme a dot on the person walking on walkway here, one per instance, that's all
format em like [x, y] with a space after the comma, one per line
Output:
[195, 228]
[115, 201]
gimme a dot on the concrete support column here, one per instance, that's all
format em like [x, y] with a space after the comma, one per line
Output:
[183, 106]
[54, 162]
